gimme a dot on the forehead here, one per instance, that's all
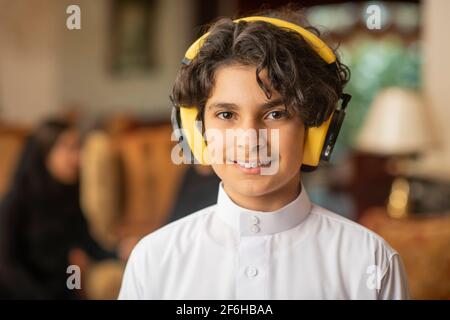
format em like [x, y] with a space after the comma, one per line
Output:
[237, 84]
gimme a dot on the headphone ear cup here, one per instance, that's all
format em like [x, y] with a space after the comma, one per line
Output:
[332, 134]
[320, 141]
[306, 168]
[314, 142]
[177, 130]
[193, 134]
[176, 125]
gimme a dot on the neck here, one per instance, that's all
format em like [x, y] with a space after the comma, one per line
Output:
[271, 201]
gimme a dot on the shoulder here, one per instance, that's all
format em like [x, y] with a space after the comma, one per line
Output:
[366, 257]
[350, 234]
[177, 234]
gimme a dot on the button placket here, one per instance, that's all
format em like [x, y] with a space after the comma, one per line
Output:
[252, 272]
[255, 220]
[255, 227]
[253, 263]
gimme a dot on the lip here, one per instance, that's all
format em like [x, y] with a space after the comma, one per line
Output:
[251, 171]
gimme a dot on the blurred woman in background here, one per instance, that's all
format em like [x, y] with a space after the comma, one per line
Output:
[42, 227]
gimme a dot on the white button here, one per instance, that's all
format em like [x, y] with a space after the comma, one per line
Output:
[252, 272]
[254, 228]
[255, 220]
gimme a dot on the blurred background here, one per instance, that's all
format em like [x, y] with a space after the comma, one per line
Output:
[85, 135]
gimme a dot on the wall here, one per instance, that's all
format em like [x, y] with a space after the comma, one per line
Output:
[85, 72]
[437, 66]
[28, 60]
[44, 67]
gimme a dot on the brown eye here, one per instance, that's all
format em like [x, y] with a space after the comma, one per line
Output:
[276, 115]
[226, 115]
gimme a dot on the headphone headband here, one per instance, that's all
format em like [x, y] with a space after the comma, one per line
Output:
[314, 41]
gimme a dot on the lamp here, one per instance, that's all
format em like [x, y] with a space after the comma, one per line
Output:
[395, 127]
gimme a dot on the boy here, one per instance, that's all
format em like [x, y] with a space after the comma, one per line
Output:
[263, 239]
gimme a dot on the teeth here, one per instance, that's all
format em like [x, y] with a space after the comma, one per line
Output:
[249, 165]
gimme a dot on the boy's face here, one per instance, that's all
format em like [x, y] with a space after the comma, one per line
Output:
[238, 102]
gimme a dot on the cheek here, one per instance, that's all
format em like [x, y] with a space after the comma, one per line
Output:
[57, 164]
[217, 146]
[291, 148]
[68, 161]
[64, 163]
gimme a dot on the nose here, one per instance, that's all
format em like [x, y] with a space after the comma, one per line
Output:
[249, 137]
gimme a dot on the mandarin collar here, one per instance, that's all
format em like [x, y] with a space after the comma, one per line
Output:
[258, 223]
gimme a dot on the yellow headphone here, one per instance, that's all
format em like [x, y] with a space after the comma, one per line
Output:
[319, 141]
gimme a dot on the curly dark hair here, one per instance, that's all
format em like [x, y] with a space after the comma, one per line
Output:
[304, 80]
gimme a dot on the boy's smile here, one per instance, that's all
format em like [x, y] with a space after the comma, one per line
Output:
[237, 103]
[252, 167]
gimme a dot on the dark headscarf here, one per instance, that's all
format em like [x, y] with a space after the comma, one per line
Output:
[40, 222]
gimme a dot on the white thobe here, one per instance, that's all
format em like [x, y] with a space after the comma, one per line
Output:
[301, 251]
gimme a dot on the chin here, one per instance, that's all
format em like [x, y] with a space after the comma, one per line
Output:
[252, 187]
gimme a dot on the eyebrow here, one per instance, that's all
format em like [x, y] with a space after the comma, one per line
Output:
[233, 106]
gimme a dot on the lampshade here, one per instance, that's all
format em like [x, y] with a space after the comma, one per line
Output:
[395, 124]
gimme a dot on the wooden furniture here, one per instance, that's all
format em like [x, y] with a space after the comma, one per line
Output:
[129, 182]
[151, 178]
